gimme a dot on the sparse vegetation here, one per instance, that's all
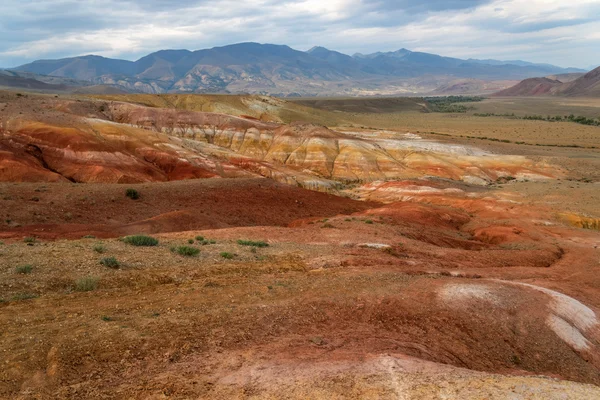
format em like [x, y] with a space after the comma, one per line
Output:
[132, 194]
[187, 251]
[110, 262]
[328, 225]
[447, 104]
[227, 255]
[200, 238]
[24, 296]
[253, 243]
[191, 241]
[99, 248]
[24, 269]
[368, 221]
[577, 119]
[29, 240]
[106, 318]
[86, 284]
[140, 240]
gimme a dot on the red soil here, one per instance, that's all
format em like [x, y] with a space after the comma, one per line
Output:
[72, 211]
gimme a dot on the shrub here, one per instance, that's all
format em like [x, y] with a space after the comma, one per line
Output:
[86, 284]
[200, 238]
[187, 251]
[89, 237]
[24, 269]
[368, 222]
[191, 241]
[140, 240]
[99, 248]
[110, 262]
[132, 194]
[29, 240]
[227, 255]
[252, 243]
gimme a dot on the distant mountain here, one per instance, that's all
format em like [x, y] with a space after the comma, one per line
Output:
[278, 70]
[587, 85]
[9, 79]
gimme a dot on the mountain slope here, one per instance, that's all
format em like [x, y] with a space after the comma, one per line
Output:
[587, 85]
[531, 87]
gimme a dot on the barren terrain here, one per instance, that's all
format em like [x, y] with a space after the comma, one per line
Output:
[338, 253]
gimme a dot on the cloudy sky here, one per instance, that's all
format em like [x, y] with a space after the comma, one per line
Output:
[565, 33]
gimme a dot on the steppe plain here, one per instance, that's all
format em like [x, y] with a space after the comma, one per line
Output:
[399, 253]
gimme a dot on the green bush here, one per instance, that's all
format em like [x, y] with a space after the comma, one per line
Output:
[191, 241]
[24, 269]
[132, 194]
[227, 255]
[187, 251]
[99, 248]
[200, 238]
[252, 243]
[86, 284]
[140, 240]
[29, 240]
[110, 262]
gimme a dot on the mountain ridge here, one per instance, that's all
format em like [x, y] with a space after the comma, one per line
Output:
[274, 69]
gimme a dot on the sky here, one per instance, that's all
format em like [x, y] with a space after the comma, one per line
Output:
[563, 33]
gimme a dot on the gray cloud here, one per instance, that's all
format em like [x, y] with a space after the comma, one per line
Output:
[33, 29]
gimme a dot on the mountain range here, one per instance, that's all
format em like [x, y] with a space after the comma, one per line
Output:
[281, 70]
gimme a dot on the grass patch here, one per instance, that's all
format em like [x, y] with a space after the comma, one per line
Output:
[106, 318]
[187, 251]
[86, 284]
[368, 222]
[227, 255]
[89, 237]
[140, 240]
[253, 243]
[99, 248]
[29, 240]
[24, 269]
[110, 262]
[200, 238]
[25, 296]
[132, 194]
[191, 241]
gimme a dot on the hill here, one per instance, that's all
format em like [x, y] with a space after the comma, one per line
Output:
[531, 87]
[587, 85]
[10, 79]
[280, 70]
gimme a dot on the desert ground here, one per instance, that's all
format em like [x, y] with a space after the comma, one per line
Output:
[328, 250]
